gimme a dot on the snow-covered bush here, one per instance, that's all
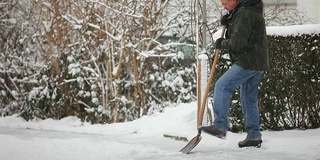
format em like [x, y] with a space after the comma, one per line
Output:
[20, 60]
[99, 60]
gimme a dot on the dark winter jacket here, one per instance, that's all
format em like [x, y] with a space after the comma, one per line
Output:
[246, 37]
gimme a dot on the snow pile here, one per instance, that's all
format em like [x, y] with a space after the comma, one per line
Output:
[178, 120]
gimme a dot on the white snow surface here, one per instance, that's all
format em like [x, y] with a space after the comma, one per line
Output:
[286, 30]
[293, 30]
[142, 139]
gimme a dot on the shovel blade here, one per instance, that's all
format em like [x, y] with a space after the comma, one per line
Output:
[193, 143]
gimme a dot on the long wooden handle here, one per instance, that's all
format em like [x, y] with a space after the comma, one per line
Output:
[213, 69]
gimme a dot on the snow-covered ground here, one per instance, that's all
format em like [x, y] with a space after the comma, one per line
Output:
[70, 139]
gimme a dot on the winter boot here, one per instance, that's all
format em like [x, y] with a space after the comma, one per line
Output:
[250, 143]
[214, 131]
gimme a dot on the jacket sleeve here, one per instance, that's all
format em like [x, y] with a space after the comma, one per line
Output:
[242, 29]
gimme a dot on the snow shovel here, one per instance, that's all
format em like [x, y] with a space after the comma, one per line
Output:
[194, 141]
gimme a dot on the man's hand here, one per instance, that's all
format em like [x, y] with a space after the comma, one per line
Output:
[218, 43]
[224, 20]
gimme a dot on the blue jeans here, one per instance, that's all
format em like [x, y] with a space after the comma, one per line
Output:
[249, 81]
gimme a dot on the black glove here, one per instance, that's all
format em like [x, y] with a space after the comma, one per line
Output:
[225, 20]
[218, 43]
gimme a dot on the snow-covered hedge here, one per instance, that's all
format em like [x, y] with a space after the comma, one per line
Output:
[290, 92]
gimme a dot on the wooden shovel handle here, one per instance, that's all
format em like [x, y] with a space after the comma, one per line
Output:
[213, 69]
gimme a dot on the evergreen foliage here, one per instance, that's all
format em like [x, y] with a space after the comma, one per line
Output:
[290, 92]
